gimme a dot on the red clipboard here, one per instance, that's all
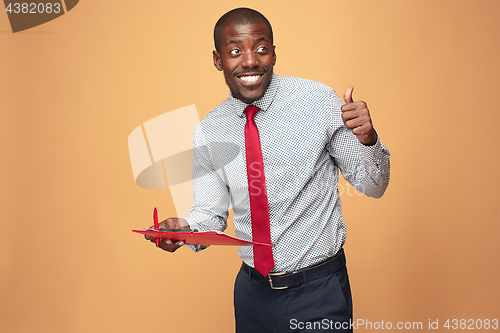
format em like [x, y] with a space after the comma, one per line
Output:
[199, 238]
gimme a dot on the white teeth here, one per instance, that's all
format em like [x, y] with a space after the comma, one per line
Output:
[250, 78]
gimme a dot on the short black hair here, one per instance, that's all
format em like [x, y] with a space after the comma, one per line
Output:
[239, 16]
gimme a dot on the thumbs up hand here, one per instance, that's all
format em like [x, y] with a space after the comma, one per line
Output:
[356, 117]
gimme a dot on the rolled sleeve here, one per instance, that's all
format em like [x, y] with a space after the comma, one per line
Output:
[376, 159]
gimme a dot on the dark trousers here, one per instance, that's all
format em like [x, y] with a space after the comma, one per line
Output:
[323, 305]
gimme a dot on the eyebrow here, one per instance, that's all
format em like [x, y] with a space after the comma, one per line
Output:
[239, 41]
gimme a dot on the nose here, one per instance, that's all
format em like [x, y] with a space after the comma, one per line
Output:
[249, 60]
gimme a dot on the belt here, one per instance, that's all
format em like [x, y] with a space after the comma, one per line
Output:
[285, 280]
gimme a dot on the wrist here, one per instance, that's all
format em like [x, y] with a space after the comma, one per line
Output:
[368, 139]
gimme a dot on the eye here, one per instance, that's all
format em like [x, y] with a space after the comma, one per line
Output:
[261, 49]
[235, 52]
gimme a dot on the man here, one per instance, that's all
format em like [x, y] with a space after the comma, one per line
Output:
[292, 137]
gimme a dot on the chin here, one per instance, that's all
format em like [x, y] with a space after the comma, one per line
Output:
[252, 98]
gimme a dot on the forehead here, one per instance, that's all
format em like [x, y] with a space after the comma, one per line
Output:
[233, 32]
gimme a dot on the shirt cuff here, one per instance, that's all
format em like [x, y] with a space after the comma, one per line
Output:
[194, 226]
[374, 154]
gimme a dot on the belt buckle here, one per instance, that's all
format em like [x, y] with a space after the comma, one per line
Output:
[270, 276]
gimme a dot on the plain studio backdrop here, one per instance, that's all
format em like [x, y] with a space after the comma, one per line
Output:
[73, 89]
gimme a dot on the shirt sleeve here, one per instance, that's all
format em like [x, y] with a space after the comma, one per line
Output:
[366, 168]
[211, 195]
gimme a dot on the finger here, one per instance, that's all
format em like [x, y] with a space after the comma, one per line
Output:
[170, 242]
[171, 247]
[356, 116]
[362, 129]
[359, 126]
[348, 95]
[348, 115]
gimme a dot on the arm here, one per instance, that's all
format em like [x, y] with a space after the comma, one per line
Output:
[211, 198]
[357, 150]
[211, 194]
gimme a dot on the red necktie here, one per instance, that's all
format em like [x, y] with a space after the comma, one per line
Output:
[259, 208]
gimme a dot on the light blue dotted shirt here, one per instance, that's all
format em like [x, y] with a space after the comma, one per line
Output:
[304, 144]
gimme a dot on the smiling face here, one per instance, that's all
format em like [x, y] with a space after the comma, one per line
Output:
[247, 58]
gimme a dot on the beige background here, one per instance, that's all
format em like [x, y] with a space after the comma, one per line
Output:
[73, 89]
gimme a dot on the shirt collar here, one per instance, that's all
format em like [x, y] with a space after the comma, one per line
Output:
[263, 103]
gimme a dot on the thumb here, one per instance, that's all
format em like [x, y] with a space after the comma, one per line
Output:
[348, 95]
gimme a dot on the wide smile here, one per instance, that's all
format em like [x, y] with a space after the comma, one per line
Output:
[250, 79]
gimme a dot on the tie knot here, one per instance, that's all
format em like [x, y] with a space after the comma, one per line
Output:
[251, 111]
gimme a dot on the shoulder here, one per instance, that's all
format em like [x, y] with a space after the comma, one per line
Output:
[306, 92]
[297, 83]
[216, 119]
[223, 110]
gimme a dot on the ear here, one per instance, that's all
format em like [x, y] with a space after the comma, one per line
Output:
[274, 55]
[217, 60]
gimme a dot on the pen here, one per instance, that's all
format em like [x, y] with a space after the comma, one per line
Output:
[155, 219]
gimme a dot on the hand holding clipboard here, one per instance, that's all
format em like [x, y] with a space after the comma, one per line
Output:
[174, 232]
[170, 223]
